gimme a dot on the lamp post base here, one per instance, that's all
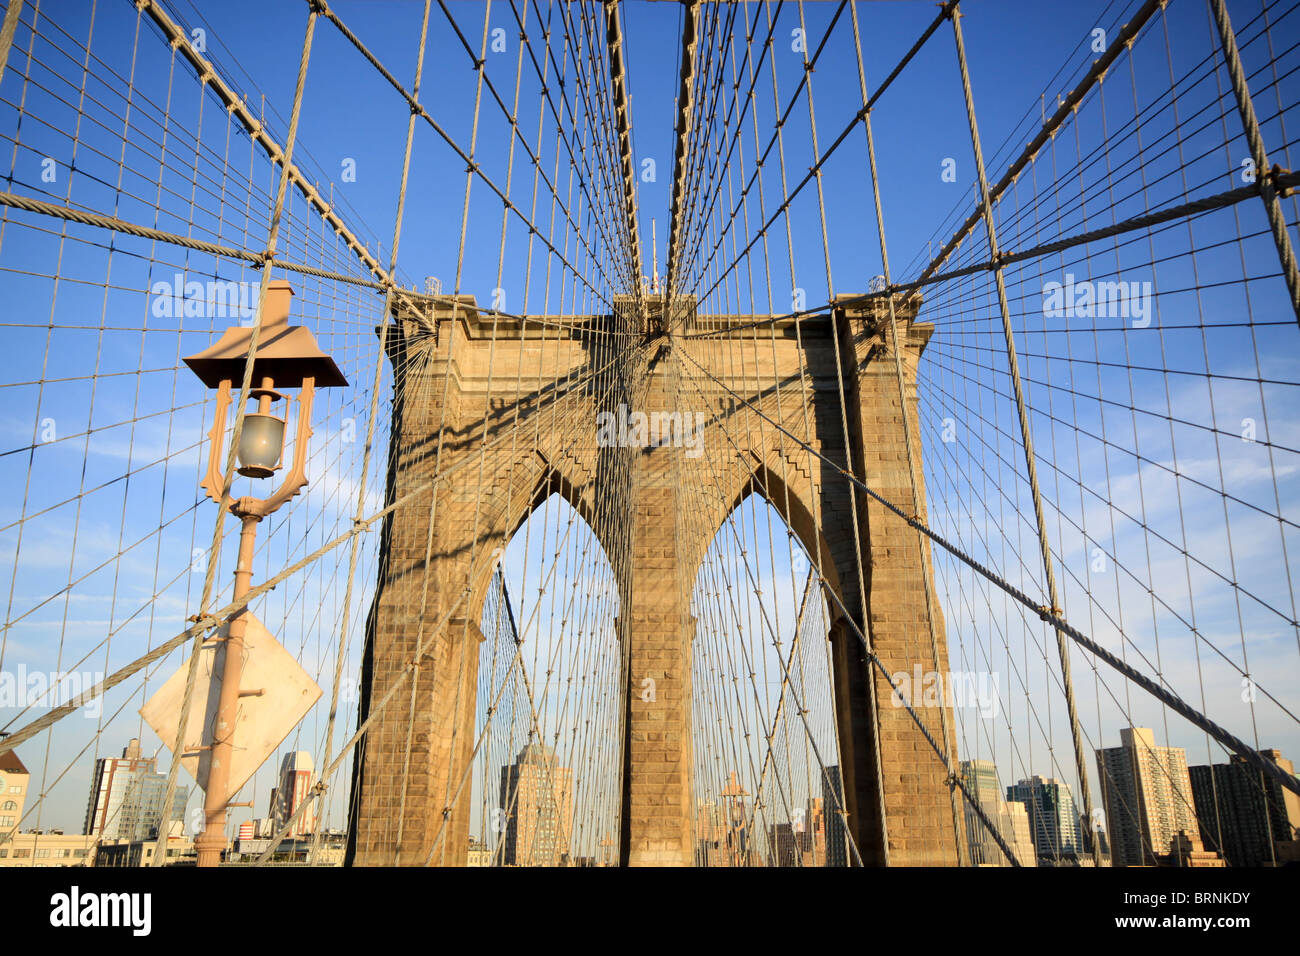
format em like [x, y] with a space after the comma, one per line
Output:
[210, 848]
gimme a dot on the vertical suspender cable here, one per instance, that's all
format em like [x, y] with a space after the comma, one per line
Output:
[1081, 766]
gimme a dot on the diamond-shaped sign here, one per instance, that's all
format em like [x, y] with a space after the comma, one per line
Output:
[264, 720]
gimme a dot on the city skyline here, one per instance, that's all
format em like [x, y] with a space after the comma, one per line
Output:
[1036, 816]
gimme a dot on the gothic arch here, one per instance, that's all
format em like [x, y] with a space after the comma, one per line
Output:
[785, 485]
[529, 486]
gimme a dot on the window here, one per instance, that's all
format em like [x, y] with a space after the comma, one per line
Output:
[42, 854]
[22, 854]
[6, 821]
[16, 788]
[78, 852]
[9, 805]
[3, 854]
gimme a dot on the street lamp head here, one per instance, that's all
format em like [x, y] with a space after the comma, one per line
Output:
[287, 356]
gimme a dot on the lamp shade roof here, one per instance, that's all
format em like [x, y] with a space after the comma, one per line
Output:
[285, 353]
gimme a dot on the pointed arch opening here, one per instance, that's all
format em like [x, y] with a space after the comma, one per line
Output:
[768, 787]
[548, 708]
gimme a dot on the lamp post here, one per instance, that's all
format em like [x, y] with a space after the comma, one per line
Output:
[286, 356]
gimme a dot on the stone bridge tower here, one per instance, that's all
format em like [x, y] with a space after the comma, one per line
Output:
[455, 366]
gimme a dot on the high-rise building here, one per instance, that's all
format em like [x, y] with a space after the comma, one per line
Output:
[837, 842]
[981, 778]
[141, 813]
[816, 826]
[1147, 793]
[297, 776]
[786, 844]
[1022, 835]
[1244, 814]
[126, 797]
[108, 788]
[537, 800]
[1053, 821]
[13, 791]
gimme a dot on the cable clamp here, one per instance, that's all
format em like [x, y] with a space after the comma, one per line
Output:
[1275, 174]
